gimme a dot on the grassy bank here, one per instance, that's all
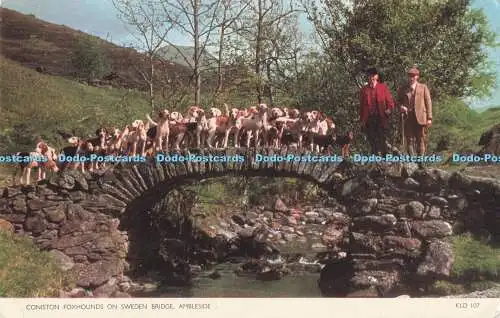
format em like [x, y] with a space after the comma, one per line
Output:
[474, 256]
[25, 271]
[460, 125]
[36, 104]
[476, 266]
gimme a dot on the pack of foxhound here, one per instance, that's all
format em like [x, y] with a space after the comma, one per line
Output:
[257, 126]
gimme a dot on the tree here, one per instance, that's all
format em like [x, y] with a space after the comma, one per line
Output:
[89, 58]
[230, 12]
[197, 19]
[445, 38]
[259, 27]
[283, 56]
[150, 31]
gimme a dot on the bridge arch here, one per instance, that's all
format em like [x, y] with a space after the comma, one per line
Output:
[127, 184]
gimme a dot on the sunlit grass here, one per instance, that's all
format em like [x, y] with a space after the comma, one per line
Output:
[25, 271]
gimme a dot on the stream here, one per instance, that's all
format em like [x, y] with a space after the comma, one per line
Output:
[230, 284]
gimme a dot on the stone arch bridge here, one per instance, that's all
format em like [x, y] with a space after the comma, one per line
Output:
[394, 218]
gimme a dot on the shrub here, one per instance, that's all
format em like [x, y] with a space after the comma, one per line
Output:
[89, 59]
[473, 257]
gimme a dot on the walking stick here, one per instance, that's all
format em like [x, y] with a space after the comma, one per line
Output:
[403, 139]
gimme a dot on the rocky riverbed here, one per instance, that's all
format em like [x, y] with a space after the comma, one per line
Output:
[281, 252]
[265, 244]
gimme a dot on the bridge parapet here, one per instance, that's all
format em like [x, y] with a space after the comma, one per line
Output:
[392, 218]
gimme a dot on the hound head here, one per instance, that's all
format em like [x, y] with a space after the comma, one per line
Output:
[101, 132]
[194, 111]
[163, 114]
[88, 146]
[176, 116]
[294, 113]
[141, 125]
[200, 114]
[276, 112]
[350, 135]
[215, 112]
[234, 113]
[262, 107]
[137, 123]
[308, 117]
[315, 114]
[41, 147]
[74, 140]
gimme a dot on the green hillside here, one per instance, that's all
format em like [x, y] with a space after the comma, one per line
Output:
[461, 125]
[36, 104]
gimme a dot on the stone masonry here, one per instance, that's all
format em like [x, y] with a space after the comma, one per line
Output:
[396, 218]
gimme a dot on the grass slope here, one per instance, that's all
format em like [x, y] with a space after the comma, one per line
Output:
[36, 104]
[461, 125]
[25, 271]
[476, 266]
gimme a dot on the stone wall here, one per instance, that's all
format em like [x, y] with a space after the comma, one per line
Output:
[399, 225]
[394, 223]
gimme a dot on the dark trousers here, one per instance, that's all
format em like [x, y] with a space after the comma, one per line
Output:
[376, 135]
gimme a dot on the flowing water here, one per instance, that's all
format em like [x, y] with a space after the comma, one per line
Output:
[296, 284]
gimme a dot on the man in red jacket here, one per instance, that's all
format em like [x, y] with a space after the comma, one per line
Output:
[376, 104]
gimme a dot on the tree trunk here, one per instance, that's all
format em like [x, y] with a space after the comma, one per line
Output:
[197, 55]
[151, 83]
[220, 76]
[269, 86]
[258, 45]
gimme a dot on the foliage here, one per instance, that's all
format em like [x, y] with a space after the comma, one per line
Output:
[322, 84]
[389, 34]
[472, 255]
[359, 34]
[454, 120]
[26, 271]
[89, 59]
[218, 194]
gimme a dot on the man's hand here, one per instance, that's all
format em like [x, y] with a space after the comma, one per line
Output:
[429, 122]
[387, 112]
[404, 109]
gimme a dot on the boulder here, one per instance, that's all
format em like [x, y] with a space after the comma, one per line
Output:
[375, 222]
[415, 209]
[402, 246]
[431, 229]
[384, 281]
[63, 261]
[438, 260]
[97, 273]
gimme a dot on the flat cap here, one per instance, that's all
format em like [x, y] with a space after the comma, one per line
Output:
[413, 71]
